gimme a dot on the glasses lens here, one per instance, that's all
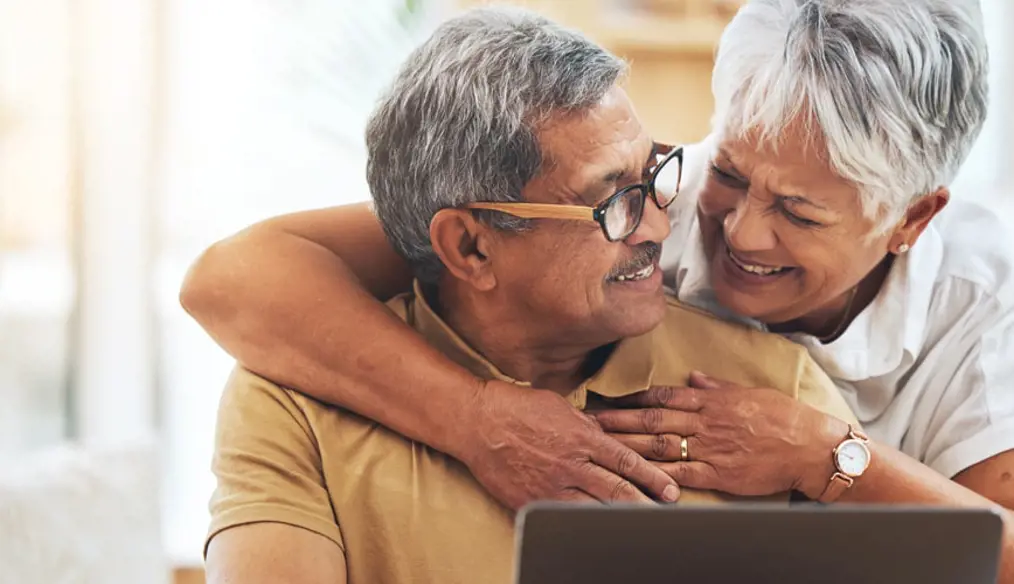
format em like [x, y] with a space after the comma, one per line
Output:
[624, 213]
[667, 181]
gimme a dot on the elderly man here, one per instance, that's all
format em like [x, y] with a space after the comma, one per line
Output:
[460, 162]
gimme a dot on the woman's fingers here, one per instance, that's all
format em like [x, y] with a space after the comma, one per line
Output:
[669, 397]
[648, 421]
[546, 448]
[660, 447]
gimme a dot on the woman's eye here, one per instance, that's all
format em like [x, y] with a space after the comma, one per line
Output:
[801, 220]
[727, 178]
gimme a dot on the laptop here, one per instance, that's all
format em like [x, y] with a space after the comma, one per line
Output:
[755, 544]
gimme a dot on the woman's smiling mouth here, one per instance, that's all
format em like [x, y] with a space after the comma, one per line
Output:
[761, 269]
[748, 272]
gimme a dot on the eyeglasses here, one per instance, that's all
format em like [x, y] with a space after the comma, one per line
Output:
[619, 215]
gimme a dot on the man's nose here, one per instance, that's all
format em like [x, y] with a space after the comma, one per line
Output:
[654, 225]
[747, 227]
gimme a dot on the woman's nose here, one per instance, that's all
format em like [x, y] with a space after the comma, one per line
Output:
[748, 229]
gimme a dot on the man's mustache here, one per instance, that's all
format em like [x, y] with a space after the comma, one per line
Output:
[645, 254]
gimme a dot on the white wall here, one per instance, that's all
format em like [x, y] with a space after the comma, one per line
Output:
[115, 374]
[985, 176]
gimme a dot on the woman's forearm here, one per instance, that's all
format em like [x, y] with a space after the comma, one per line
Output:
[300, 317]
[896, 478]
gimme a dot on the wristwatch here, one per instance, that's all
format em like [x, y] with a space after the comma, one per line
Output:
[851, 459]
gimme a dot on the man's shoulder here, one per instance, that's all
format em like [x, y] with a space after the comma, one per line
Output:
[695, 339]
[696, 325]
[245, 384]
[246, 389]
[690, 339]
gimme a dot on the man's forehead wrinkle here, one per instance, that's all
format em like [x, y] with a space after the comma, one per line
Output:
[584, 155]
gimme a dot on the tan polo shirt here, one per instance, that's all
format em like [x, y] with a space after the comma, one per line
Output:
[403, 513]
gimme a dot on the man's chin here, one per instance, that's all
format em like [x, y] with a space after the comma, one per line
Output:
[641, 321]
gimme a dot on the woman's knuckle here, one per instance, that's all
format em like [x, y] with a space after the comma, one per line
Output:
[665, 396]
[651, 420]
[659, 445]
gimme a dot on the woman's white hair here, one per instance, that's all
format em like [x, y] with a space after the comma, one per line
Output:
[897, 88]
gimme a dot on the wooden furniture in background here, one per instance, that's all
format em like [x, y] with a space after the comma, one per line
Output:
[722, 9]
[188, 576]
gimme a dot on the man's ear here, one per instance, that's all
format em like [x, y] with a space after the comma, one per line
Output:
[463, 244]
[916, 218]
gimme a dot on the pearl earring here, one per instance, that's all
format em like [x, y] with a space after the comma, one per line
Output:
[903, 248]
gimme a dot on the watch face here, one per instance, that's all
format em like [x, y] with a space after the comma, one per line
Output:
[853, 458]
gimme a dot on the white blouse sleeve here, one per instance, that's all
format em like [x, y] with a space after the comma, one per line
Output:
[974, 419]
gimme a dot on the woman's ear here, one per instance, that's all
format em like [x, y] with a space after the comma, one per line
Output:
[917, 218]
[464, 244]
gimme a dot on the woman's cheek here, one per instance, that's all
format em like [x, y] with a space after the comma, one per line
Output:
[715, 201]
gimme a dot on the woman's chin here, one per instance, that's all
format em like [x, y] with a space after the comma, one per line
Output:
[749, 302]
[764, 293]
[738, 302]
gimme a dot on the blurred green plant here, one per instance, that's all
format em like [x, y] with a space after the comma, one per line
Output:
[409, 11]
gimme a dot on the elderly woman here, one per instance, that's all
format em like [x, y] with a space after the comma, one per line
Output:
[818, 208]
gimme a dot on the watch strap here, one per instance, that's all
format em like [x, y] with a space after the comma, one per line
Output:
[838, 484]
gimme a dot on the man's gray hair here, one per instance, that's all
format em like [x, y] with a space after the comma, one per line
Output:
[460, 123]
[897, 88]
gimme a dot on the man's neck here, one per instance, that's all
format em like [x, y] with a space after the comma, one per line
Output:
[525, 353]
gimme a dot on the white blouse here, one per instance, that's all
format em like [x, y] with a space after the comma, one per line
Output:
[928, 366]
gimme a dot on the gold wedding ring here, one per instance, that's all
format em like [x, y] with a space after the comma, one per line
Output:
[684, 449]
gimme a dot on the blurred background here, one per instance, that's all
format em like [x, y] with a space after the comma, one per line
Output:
[134, 133]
